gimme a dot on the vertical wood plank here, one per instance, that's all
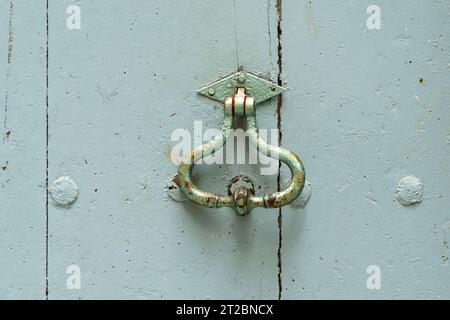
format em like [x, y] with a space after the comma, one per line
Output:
[361, 119]
[22, 149]
[118, 88]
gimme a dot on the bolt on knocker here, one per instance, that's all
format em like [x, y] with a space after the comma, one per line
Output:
[240, 92]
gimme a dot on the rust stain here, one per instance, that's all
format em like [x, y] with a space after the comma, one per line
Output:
[171, 156]
[6, 131]
[244, 179]
[167, 151]
[176, 181]
[210, 200]
[10, 32]
[241, 197]
[270, 202]
[8, 72]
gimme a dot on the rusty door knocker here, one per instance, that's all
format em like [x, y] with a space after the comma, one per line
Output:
[240, 92]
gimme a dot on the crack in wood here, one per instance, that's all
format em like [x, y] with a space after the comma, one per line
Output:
[8, 72]
[278, 7]
[10, 32]
[46, 153]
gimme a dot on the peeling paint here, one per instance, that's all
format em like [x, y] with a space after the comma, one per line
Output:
[173, 190]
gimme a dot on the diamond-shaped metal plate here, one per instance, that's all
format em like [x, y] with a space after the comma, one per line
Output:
[256, 87]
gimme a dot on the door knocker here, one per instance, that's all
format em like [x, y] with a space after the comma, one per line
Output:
[240, 92]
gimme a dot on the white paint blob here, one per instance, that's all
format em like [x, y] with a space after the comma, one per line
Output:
[64, 191]
[303, 198]
[409, 190]
[174, 192]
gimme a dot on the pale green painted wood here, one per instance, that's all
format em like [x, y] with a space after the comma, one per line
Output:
[22, 149]
[355, 113]
[361, 120]
[118, 88]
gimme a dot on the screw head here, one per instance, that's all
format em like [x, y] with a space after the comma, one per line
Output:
[211, 91]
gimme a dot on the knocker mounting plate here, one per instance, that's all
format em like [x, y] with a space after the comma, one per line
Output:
[260, 89]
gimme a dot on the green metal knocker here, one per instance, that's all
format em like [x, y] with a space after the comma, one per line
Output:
[240, 92]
